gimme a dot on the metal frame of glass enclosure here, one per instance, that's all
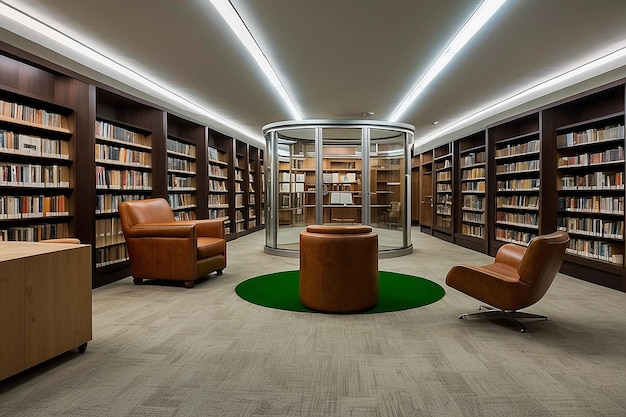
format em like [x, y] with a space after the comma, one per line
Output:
[338, 172]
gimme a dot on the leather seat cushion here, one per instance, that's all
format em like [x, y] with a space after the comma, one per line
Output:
[210, 246]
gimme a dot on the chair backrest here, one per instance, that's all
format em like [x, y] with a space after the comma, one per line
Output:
[541, 262]
[153, 210]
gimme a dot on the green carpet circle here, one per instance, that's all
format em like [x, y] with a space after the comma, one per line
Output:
[281, 290]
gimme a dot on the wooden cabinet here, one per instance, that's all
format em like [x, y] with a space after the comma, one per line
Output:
[45, 306]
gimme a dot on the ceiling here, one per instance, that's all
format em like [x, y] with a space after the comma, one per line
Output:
[336, 58]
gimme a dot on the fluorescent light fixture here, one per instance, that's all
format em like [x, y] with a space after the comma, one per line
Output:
[63, 40]
[230, 15]
[484, 12]
[603, 64]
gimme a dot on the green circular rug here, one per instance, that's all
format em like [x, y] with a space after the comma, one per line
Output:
[396, 292]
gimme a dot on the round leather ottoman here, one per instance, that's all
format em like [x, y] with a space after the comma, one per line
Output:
[339, 268]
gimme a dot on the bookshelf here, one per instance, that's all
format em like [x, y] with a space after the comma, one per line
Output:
[444, 191]
[470, 192]
[341, 176]
[39, 126]
[181, 172]
[255, 188]
[219, 154]
[240, 187]
[516, 151]
[123, 156]
[426, 181]
[588, 136]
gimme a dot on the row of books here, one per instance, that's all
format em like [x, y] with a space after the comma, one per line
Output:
[444, 188]
[518, 219]
[33, 206]
[111, 131]
[114, 179]
[469, 216]
[444, 176]
[215, 155]
[109, 232]
[111, 255]
[29, 114]
[443, 210]
[18, 143]
[594, 249]
[217, 213]
[185, 215]
[531, 146]
[117, 154]
[473, 186]
[33, 175]
[217, 185]
[474, 173]
[181, 165]
[35, 232]
[595, 158]
[594, 181]
[180, 147]
[108, 203]
[519, 237]
[218, 171]
[218, 201]
[251, 199]
[176, 182]
[527, 184]
[518, 201]
[472, 230]
[444, 199]
[473, 158]
[181, 200]
[239, 200]
[610, 229]
[592, 204]
[590, 135]
[473, 202]
[520, 166]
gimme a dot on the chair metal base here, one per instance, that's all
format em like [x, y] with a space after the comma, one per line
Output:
[513, 316]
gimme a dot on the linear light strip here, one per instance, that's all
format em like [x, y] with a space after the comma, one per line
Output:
[484, 12]
[617, 57]
[33, 24]
[230, 15]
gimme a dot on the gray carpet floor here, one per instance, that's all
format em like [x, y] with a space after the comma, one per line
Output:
[163, 350]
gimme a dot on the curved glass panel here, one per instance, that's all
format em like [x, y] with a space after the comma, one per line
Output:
[337, 172]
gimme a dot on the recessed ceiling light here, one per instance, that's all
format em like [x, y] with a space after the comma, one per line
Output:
[368, 113]
[435, 122]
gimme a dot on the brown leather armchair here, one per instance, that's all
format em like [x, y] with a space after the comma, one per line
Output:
[160, 247]
[518, 278]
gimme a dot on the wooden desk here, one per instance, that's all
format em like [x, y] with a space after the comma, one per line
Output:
[45, 302]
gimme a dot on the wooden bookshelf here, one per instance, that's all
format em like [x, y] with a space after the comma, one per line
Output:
[588, 136]
[444, 192]
[470, 191]
[219, 154]
[516, 150]
[426, 181]
[37, 155]
[182, 167]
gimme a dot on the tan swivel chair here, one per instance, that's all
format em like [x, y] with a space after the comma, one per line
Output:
[160, 247]
[518, 278]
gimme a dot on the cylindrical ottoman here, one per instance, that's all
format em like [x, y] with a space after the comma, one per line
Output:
[339, 268]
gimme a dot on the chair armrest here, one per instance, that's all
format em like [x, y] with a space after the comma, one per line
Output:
[207, 227]
[157, 230]
[510, 254]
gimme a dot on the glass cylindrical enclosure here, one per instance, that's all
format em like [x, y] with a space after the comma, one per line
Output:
[338, 172]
